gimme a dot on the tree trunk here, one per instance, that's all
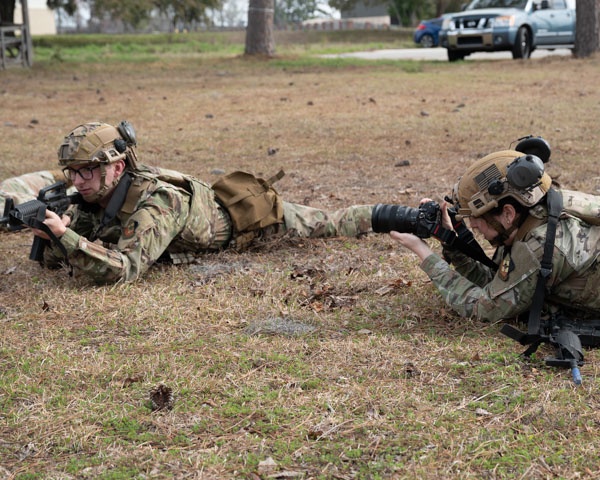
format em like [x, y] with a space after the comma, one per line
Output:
[587, 32]
[259, 32]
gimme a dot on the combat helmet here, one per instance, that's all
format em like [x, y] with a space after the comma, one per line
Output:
[97, 142]
[102, 144]
[499, 175]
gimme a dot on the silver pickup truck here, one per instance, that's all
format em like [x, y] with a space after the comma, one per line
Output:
[519, 26]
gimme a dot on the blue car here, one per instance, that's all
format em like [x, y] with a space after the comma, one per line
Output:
[426, 33]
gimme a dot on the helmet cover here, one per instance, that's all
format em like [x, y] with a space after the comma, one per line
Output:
[499, 175]
[90, 143]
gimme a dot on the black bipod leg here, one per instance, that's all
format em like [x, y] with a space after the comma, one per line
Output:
[569, 353]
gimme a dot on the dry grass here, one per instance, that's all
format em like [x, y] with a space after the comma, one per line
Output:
[311, 359]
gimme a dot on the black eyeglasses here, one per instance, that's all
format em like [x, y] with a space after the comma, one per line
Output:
[86, 173]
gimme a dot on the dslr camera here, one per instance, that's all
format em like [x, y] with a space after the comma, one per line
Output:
[423, 222]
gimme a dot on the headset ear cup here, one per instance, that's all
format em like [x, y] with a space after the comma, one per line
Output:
[535, 146]
[525, 172]
[127, 132]
[120, 145]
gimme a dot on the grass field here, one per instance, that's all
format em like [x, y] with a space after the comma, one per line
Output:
[324, 359]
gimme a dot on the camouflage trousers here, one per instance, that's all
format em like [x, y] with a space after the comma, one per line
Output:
[26, 187]
[305, 222]
[315, 223]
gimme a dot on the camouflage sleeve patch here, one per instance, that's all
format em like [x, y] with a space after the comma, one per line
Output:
[514, 269]
[110, 257]
[130, 229]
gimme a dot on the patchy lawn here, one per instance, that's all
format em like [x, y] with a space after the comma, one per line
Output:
[299, 359]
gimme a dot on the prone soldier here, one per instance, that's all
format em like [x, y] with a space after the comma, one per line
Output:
[546, 268]
[132, 214]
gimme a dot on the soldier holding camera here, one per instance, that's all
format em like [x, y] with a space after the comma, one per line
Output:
[506, 197]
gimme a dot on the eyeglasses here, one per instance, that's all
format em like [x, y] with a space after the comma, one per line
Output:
[86, 173]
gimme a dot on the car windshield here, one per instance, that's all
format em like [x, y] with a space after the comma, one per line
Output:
[478, 4]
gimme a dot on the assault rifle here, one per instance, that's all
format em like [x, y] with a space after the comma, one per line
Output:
[33, 213]
[567, 335]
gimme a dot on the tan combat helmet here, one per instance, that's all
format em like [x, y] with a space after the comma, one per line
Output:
[90, 143]
[503, 174]
[97, 142]
[101, 144]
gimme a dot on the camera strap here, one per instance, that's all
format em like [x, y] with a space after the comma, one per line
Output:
[462, 239]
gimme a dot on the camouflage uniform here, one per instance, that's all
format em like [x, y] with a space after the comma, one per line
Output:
[474, 290]
[165, 220]
[312, 222]
[160, 214]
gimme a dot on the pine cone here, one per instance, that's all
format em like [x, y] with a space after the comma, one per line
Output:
[161, 397]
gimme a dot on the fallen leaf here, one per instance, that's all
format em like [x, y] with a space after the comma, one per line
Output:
[266, 466]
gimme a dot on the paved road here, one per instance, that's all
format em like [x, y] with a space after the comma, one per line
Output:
[438, 54]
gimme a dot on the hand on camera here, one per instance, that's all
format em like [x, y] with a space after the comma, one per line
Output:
[446, 220]
[413, 243]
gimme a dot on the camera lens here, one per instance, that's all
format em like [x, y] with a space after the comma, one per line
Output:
[386, 218]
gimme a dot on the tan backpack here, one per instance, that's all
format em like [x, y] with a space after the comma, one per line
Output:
[252, 202]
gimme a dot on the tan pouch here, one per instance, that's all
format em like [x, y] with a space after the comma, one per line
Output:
[252, 202]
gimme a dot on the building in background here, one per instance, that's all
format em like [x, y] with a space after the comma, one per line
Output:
[376, 16]
[41, 18]
[361, 16]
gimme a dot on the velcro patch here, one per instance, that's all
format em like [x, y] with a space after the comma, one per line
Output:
[129, 229]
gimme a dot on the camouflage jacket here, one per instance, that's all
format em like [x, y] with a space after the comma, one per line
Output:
[170, 214]
[474, 290]
[156, 217]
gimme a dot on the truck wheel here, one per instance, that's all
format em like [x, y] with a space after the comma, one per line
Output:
[522, 47]
[426, 41]
[455, 56]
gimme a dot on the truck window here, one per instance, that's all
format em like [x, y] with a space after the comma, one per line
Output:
[477, 4]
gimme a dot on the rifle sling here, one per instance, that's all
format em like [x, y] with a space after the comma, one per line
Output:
[114, 204]
[555, 205]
